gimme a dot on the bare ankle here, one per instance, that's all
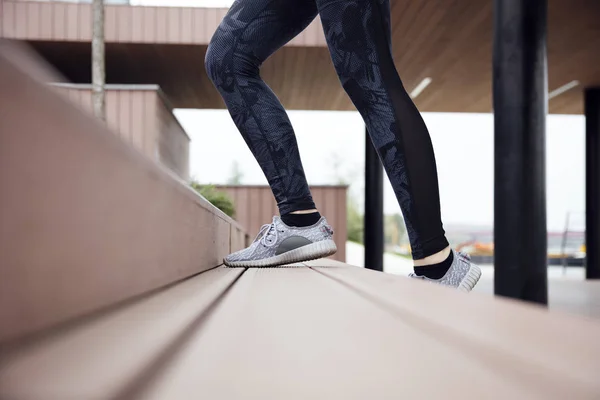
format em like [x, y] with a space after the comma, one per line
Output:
[314, 210]
[434, 258]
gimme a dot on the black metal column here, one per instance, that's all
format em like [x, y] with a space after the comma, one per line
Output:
[373, 235]
[520, 107]
[592, 182]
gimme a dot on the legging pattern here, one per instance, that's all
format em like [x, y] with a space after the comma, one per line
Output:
[358, 34]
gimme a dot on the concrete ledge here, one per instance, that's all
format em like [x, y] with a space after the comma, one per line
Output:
[87, 221]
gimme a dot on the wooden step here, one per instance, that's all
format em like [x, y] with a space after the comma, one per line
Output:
[87, 221]
[319, 330]
[108, 355]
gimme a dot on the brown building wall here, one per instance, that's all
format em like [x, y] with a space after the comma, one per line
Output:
[255, 206]
[141, 117]
[60, 21]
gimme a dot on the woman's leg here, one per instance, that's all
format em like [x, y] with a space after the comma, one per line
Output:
[359, 38]
[251, 31]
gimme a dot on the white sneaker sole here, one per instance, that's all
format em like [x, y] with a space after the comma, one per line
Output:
[309, 252]
[470, 279]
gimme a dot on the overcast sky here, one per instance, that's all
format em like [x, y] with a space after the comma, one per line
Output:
[463, 146]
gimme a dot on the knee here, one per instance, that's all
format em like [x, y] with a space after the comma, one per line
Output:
[217, 61]
[225, 61]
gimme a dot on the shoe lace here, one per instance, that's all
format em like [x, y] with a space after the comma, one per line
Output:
[465, 257]
[265, 233]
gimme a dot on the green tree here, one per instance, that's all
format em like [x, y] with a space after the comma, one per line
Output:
[236, 174]
[395, 231]
[399, 220]
[216, 197]
[355, 223]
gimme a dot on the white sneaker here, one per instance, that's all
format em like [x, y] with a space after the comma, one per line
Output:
[278, 244]
[462, 274]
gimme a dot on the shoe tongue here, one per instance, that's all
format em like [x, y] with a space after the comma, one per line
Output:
[271, 229]
[277, 222]
[263, 232]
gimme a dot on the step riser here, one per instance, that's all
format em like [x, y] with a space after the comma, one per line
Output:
[87, 221]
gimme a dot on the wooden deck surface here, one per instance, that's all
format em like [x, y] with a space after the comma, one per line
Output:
[321, 330]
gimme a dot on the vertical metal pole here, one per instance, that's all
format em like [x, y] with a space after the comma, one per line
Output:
[98, 60]
[373, 235]
[592, 183]
[520, 107]
[563, 246]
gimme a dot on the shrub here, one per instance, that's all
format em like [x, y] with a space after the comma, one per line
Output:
[217, 198]
[355, 223]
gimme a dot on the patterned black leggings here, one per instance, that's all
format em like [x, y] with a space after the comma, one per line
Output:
[358, 34]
